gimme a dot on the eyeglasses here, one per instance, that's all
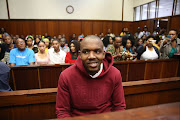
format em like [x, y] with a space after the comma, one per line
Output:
[20, 42]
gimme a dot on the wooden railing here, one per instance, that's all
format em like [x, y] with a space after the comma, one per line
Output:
[37, 77]
[40, 103]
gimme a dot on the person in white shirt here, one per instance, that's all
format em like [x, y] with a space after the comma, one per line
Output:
[144, 32]
[147, 50]
[56, 55]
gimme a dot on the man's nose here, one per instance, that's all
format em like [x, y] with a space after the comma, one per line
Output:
[91, 55]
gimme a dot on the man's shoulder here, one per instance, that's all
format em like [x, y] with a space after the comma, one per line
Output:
[14, 50]
[70, 70]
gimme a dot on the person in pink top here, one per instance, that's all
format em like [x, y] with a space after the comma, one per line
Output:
[73, 54]
[41, 57]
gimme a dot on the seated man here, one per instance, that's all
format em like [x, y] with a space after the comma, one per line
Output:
[56, 55]
[4, 77]
[92, 85]
[63, 46]
[9, 46]
[21, 55]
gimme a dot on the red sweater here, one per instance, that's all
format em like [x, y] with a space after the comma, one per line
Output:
[79, 94]
[68, 58]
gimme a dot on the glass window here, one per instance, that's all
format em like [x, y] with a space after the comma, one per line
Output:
[144, 12]
[137, 13]
[165, 8]
[152, 10]
[177, 8]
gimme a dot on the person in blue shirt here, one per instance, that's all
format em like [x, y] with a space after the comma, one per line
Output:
[21, 55]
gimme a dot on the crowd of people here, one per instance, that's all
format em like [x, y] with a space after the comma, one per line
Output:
[45, 49]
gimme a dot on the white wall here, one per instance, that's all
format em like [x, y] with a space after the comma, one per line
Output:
[56, 9]
[128, 10]
[140, 2]
[3, 10]
[83, 9]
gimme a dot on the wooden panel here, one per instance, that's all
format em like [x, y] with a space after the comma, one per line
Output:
[40, 27]
[136, 71]
[49, 77]
[87, 27]
[75, 27]
[170, 69]
[116, 27]
[174, 22]
[16, 27]
[123, 69]
[53, 28]
[159, 112]
[97, 27]
[153, 70]
[28, 27]
[40, 103]
[65, 28]
[106, 26]
[26, 78]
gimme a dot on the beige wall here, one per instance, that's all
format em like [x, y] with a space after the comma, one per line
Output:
[56, 9]
[83, 9]
[3, 10]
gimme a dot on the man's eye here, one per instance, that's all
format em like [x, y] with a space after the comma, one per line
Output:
[97, 51]
[85, 52]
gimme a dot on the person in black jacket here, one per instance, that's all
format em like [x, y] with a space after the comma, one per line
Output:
[147, 50]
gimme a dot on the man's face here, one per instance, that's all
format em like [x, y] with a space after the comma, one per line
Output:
[62, 42]
[20, 44]
[8, 40]
[117, 42]
[55, 45]
[173, 34]
[92, 54]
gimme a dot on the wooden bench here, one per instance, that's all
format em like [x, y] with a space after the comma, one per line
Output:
[37, 77]
[40, 103]
[158, 112]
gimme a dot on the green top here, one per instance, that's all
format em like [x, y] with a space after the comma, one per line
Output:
[173, 50]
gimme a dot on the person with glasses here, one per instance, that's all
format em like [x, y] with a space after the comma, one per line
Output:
[21, 55]
[170, 45]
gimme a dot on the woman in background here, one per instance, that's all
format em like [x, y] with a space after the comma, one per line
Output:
[73, 54]
[42, 57]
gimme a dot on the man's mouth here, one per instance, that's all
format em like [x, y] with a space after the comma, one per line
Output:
[93, 64]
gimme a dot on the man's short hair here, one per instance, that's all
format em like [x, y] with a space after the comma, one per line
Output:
[91, 37]
[19, 39]
[56, 40]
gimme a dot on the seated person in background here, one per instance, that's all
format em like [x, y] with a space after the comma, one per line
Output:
[56, 55]
[147, 50]
[108, 40]
[4, 77]
[63, 47]
[36, 41]
[124, 32]
[128, 44]
[139, 42]
[116, 48]
[2, 51]
[73, 54]
[9, 46]
[80, 38]
[169, 46]
[46, 40]
[92, 85]
[21, 55]
[137, 33]
[144, 32]
[29, 43]
[42, 57]
[73, 37]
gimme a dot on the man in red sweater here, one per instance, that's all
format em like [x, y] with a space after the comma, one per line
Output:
[92, 85]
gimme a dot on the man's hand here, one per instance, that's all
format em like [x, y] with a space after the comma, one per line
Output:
[166, 41]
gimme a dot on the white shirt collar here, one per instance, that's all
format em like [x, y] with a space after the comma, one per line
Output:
[99, 72]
